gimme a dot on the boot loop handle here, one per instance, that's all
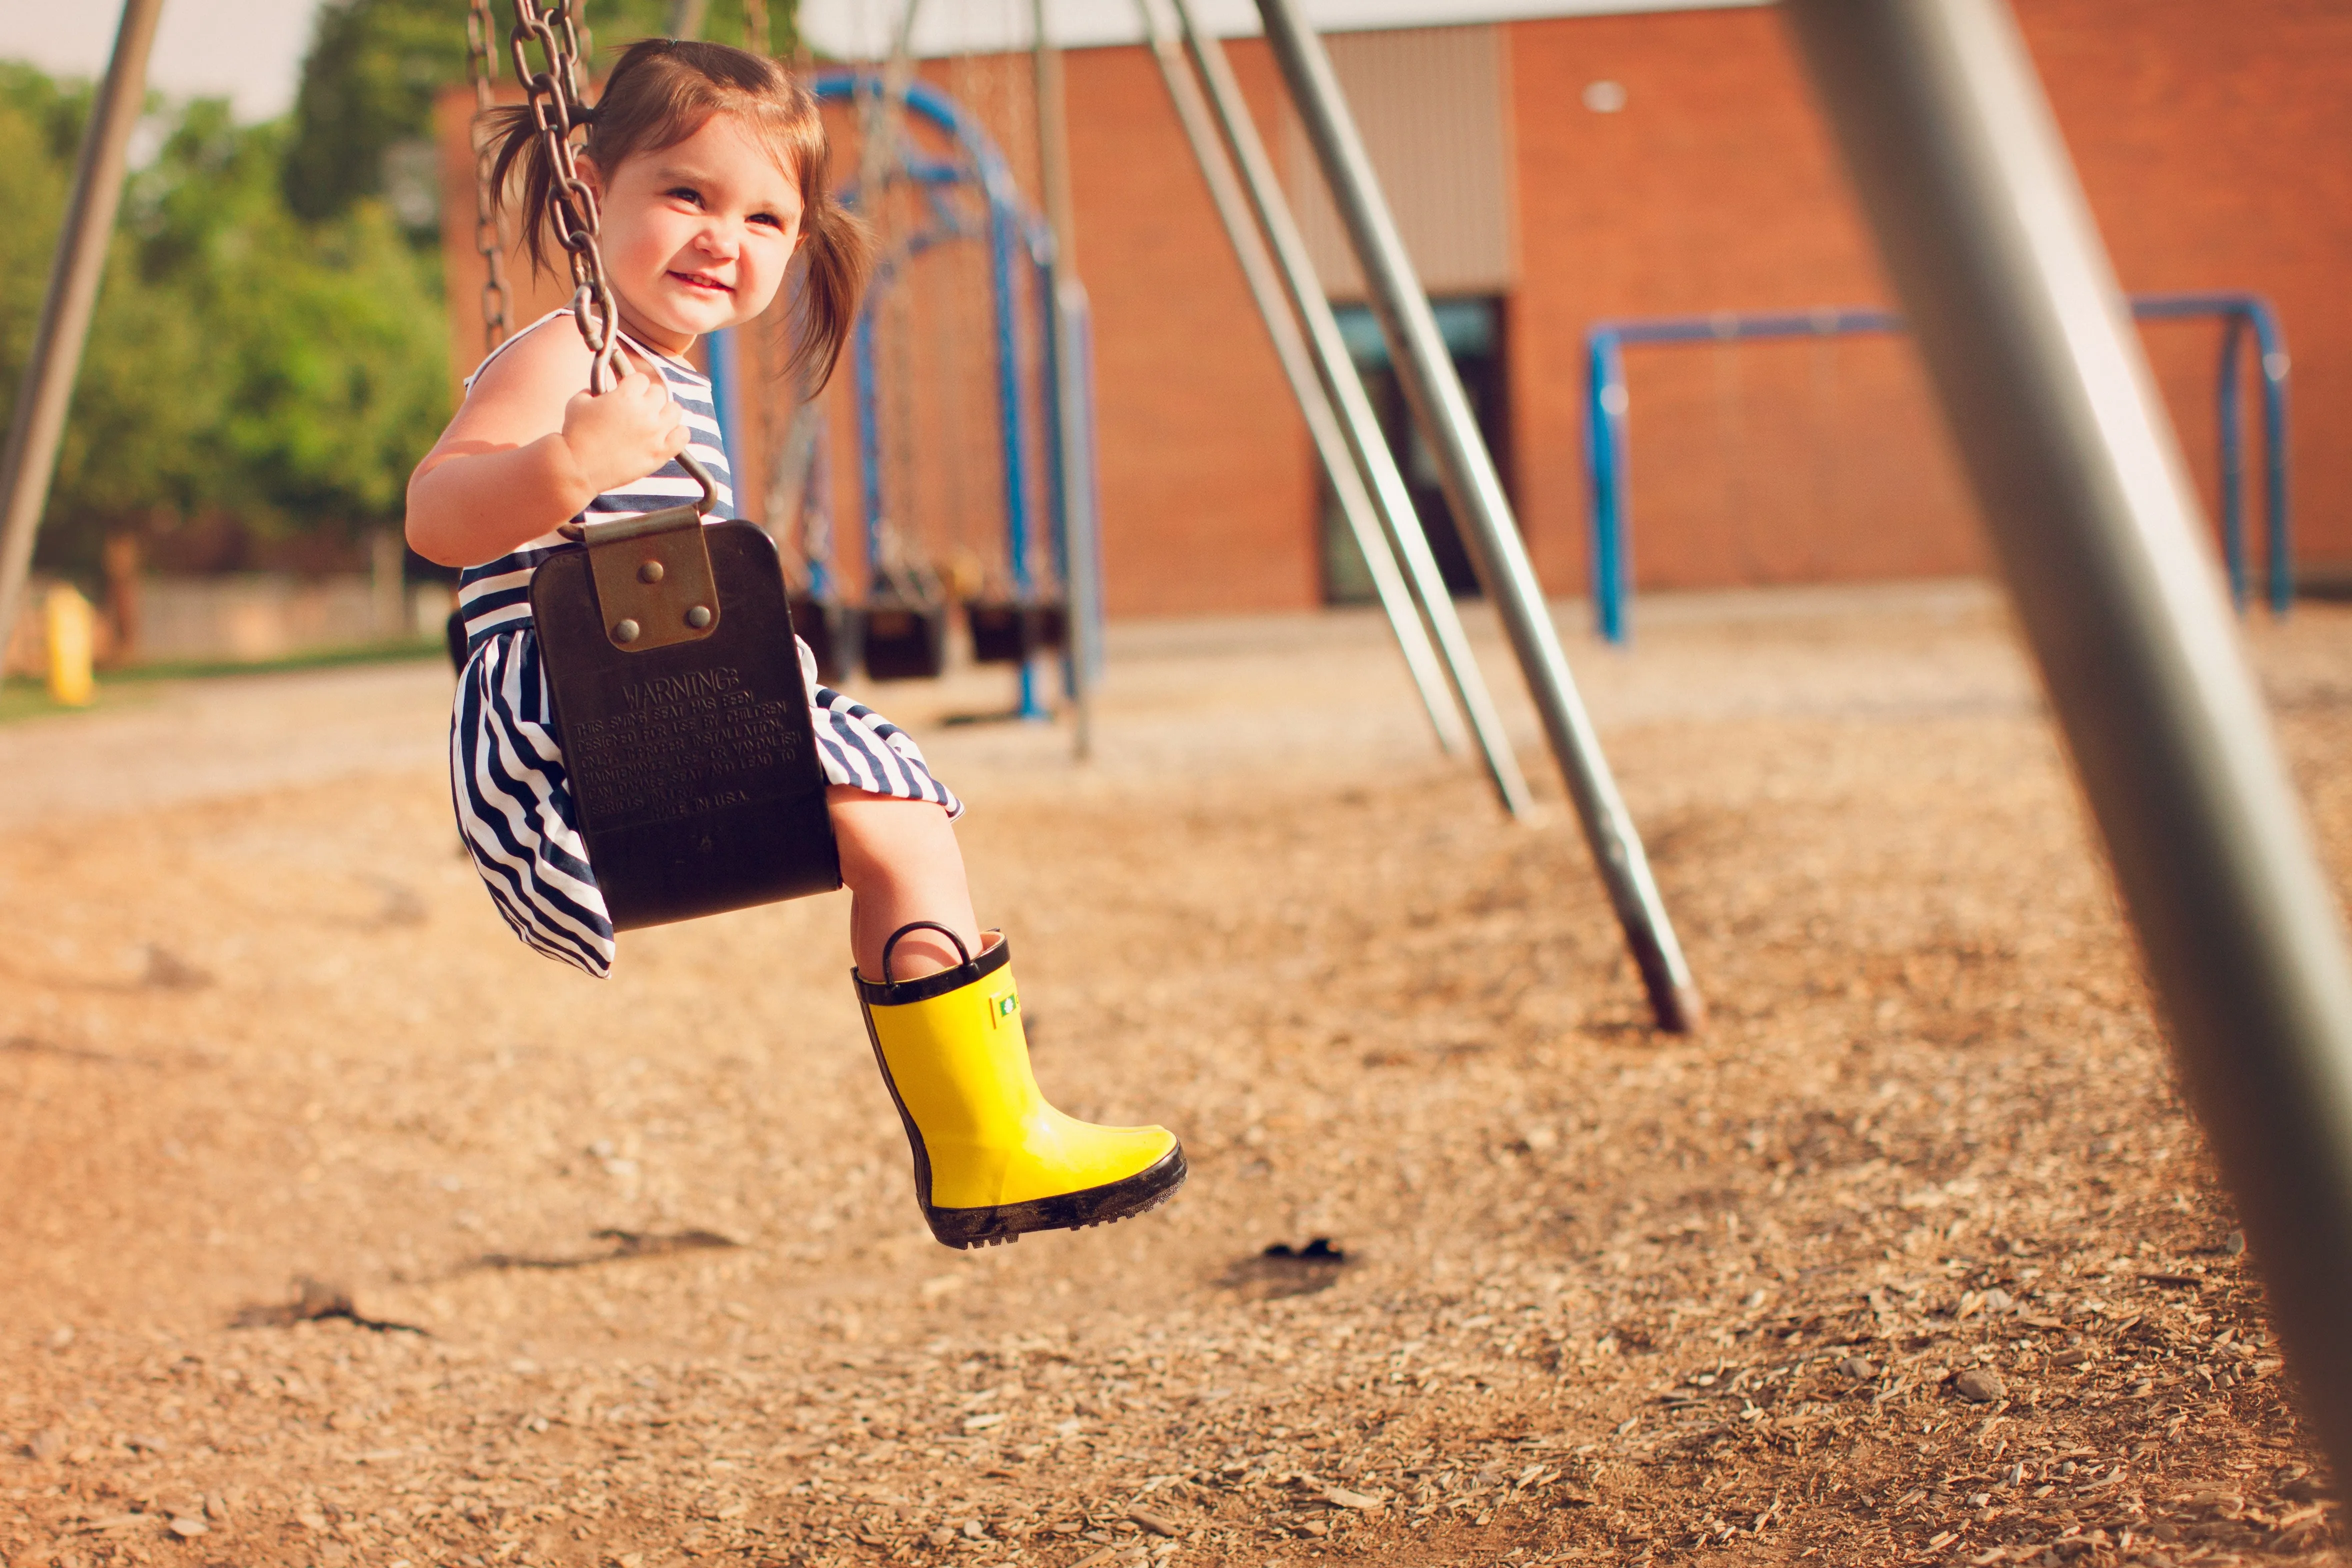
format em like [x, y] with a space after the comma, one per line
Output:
[962, 952]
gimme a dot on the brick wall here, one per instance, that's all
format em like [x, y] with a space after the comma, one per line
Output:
[2215, 142]
[1208, 481]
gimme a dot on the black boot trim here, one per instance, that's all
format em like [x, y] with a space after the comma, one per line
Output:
[879, 994]
[1122, 1199]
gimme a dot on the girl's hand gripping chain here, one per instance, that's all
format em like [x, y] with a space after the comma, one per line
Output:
[621, 436]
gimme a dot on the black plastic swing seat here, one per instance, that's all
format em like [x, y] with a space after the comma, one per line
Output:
[904, 639]
[831, 629]
[1013, 631]
[685, 723]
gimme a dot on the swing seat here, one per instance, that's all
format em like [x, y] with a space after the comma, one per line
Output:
[1013, 631]
[453, 632]
[685, 723]
[904, 639]
[830, 628]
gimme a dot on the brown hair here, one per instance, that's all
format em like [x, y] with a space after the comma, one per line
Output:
[663, 91]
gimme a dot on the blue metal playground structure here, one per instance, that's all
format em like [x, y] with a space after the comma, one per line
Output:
[1608, 412]
[1019, 252]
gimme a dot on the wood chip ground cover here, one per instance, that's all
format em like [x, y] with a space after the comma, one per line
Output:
[1915, 1256]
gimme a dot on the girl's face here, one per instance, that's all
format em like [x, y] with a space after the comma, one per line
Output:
[696, 236]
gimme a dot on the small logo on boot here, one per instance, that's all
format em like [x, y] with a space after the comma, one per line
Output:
[1002, 1006]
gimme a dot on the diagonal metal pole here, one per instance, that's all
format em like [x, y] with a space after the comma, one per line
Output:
[1475, 490]
[37, 424]
[1986, 234]
[1322, 425]
[1345, 390]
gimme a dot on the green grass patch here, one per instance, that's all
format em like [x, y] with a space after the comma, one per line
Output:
[400, 651]
[26, 697]
[21, 698]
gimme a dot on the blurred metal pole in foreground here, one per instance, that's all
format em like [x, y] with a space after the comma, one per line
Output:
[1347, 402]
[39, 422]
[1475, 490]
[1322, 425]
[1986, 234]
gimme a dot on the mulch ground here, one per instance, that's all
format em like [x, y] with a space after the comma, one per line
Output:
[338, 1229]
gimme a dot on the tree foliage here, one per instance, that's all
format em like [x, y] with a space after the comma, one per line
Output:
[240, 361]
[375, 67]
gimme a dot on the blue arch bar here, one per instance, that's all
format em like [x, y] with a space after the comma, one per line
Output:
[1011, 230]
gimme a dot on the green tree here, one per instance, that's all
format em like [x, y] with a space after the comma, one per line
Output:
[240, 360]
[375, 67]
[144, 396]
[368, 84]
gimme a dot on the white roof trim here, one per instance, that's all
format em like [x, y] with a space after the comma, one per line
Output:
[860, 30]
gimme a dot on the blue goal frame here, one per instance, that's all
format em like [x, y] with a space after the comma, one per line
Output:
[1609, 406]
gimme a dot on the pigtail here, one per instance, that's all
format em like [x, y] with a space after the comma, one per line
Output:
[836, 258]
[516, 141]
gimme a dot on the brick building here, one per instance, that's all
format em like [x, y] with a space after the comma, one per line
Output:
[1552, 170]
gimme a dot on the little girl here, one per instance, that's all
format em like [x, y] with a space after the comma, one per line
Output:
[709, 165]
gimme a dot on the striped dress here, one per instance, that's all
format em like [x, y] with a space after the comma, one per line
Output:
[506, 758]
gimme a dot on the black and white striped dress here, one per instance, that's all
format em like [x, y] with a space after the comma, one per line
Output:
[506, 759]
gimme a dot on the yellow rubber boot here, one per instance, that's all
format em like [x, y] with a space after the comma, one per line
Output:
[993, 1160]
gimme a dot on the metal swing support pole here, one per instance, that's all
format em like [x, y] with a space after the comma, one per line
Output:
[1343, 391]
[1442, 411]
[1986, 234]
[1066, 379]
[1322, 424]
[37, 424]
[1073, 369]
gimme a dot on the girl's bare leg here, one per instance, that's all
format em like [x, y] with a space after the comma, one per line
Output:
[900, 860]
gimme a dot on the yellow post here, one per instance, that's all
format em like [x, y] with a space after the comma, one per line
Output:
[73, 634]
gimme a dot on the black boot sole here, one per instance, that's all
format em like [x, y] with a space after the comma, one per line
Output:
[1122, 1199]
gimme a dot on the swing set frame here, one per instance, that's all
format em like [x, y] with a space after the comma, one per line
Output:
[1020, 249]
[1608, 418]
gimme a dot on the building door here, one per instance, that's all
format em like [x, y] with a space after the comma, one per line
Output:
[1431, 104]
[1473, 331]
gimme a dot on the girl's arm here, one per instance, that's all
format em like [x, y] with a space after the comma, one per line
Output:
[529, 450]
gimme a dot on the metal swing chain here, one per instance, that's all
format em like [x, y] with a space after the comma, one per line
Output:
[482, 66]
[556, 111]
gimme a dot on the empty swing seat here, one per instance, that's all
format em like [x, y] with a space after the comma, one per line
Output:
[1013, 631]
[904, 639]
[830, 628]
[685, 721]
[453, 634]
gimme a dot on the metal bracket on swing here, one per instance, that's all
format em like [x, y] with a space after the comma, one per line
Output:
[654, 587]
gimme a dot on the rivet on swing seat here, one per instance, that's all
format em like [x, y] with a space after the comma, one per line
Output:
[685, 723]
